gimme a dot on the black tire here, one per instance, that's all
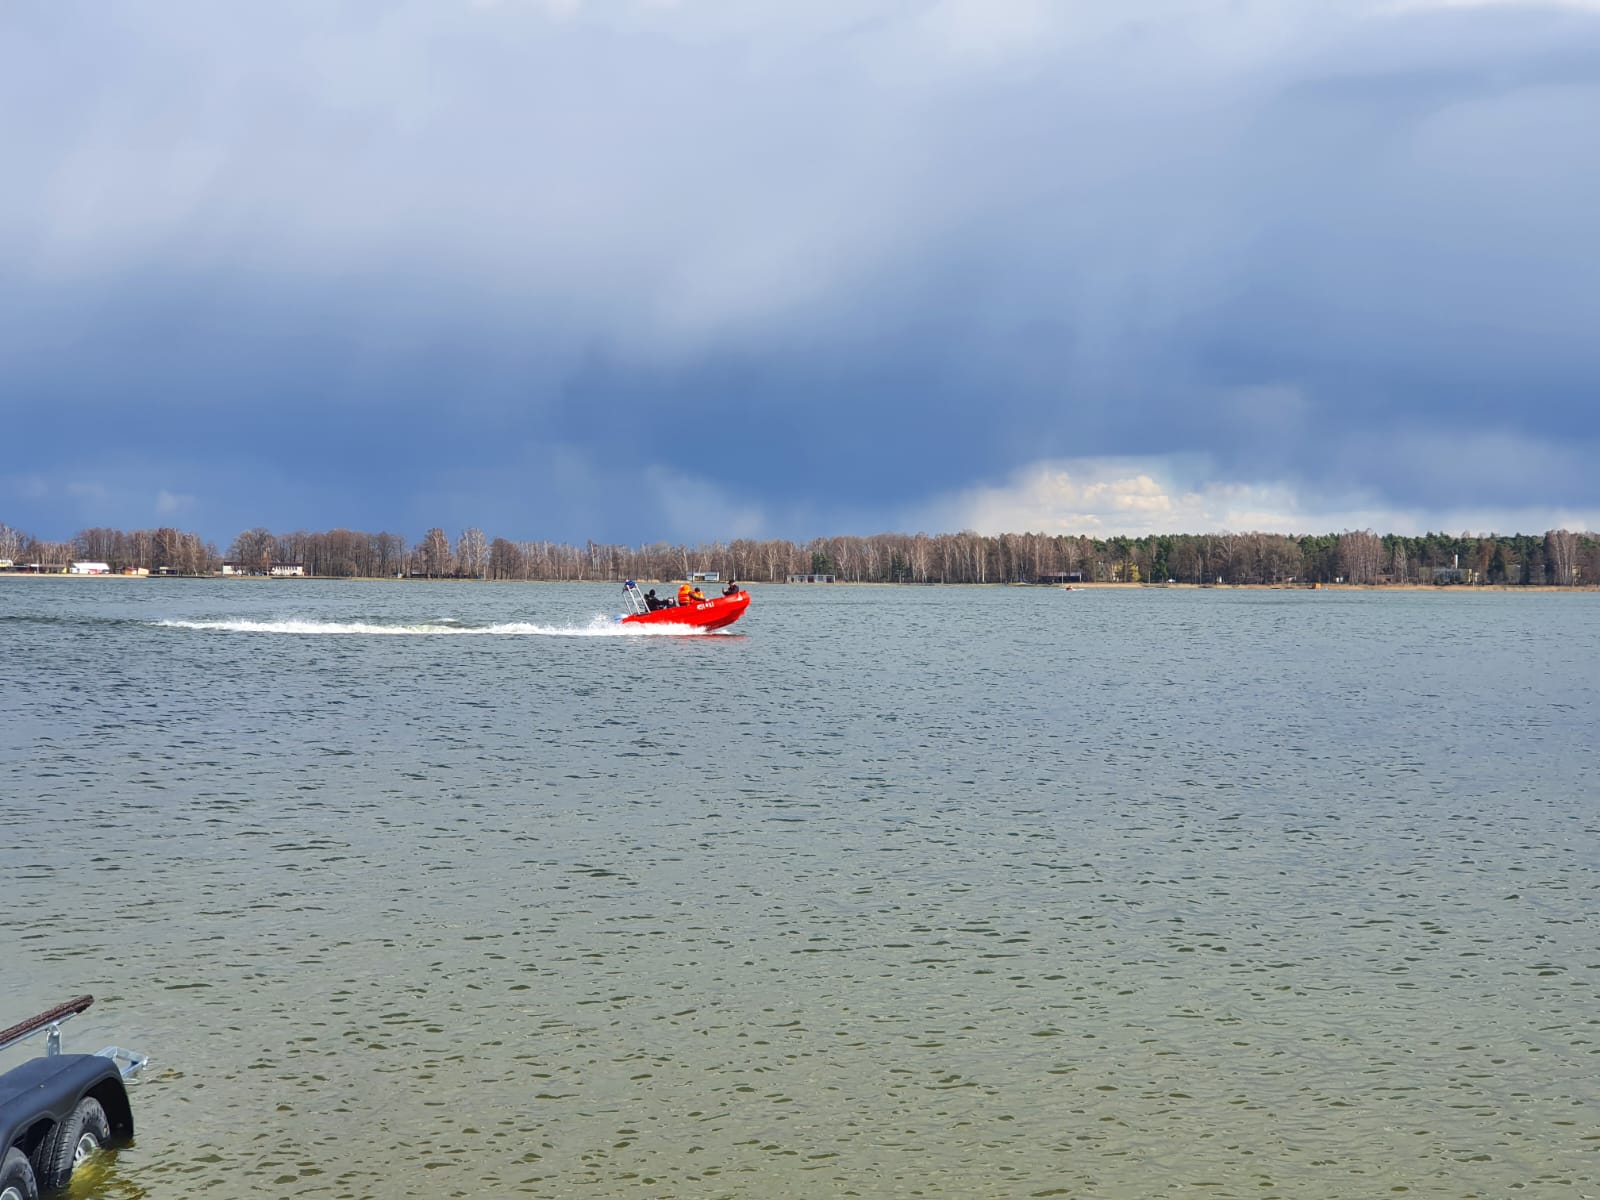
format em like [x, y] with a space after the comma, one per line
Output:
[79, 1136]
[16, 1177]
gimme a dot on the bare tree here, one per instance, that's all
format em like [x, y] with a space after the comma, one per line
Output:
[94, 545]
[1281, 558]
[387, 553]
[434, 553]
[1360, 555]
[49, 555]
[1227, 549]
[253, 549]
[141, 548]
[506, 560]
[1400, 568]
[472, 552]
[169, 549]
[1561, 556]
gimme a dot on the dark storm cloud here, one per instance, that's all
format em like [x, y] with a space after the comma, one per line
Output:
[640, 271]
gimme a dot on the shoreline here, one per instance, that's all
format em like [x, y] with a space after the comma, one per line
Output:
[1445, 588]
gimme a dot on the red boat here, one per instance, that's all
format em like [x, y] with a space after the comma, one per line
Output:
[715, 612]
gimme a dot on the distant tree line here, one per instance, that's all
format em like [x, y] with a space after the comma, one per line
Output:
[164, 549]
[1557, 558]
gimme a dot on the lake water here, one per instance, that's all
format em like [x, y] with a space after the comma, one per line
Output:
[454, 890]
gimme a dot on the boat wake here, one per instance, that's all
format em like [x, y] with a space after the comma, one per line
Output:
[598, 626]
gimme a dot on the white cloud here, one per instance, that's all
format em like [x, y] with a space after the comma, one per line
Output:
[1062, 199]
[694, 508]
[559, 10]
[1107, 497]
[168, 503]
[987, 31]
[1413, 5]
[735, 160]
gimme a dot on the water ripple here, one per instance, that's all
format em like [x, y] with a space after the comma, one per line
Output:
[952, 893]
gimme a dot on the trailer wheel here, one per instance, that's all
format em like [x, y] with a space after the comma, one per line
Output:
[79, 1136]
[16, 1177]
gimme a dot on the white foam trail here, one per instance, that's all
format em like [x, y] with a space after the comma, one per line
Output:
[442, 627]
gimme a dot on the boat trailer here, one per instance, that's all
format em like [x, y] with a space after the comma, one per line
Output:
[58, 1109]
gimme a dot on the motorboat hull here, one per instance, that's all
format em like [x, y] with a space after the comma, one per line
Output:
[715, 613]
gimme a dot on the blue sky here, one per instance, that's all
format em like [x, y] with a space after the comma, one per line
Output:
[705, 269]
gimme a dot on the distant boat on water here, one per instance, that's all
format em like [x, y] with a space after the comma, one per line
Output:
[713, 613]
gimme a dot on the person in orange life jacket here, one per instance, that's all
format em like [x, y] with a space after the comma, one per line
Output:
[685, 596]
[697, 595]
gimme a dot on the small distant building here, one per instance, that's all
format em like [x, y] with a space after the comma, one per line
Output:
[810, 578]
[706, 577]
[278, 570]
[1445, 575]
[89, 568]
[1060, 577]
